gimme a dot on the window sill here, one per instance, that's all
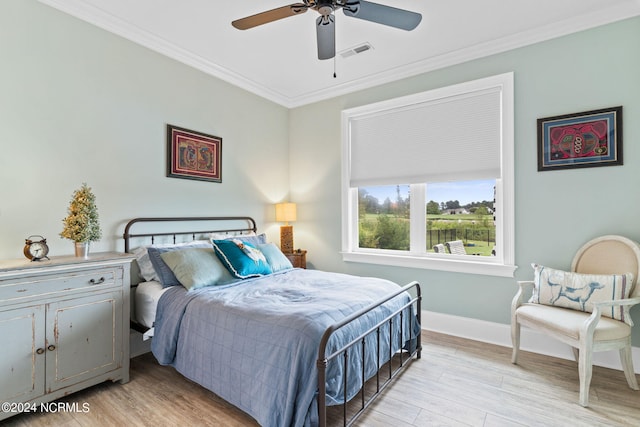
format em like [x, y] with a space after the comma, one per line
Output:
[453, 263]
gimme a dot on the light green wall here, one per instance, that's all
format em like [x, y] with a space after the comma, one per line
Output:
[78, 104]
[556, 212]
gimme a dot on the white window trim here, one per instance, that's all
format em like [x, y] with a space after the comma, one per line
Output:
[416, 257]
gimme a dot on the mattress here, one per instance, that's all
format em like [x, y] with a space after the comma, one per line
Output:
[146, 302]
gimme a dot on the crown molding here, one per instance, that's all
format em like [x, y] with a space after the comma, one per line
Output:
[112, 24]
[108, 22]
[481, 50]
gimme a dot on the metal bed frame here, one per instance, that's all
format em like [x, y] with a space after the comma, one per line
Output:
[401, 359]
[127, 236]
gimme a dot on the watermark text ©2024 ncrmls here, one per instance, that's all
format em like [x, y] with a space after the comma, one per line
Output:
[19, 407]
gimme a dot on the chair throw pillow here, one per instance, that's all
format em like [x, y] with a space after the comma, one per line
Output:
[580, 291]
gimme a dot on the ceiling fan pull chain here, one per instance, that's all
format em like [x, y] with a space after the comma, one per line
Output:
[334, 62]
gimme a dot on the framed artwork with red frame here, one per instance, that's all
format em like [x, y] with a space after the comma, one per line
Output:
[580, 140]
[193, 155]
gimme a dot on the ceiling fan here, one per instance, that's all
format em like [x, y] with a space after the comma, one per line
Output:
[325, 24]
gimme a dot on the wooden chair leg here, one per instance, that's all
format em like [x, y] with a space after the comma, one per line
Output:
[515, 340]
[627, 365]
[585, 369]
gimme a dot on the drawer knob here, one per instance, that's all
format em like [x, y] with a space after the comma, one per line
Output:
[40, 351]
[96, 282]
[51, 347]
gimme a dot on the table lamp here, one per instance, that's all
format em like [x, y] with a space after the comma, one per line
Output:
[286, 212]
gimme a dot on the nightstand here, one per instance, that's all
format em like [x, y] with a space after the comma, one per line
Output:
[298, 258]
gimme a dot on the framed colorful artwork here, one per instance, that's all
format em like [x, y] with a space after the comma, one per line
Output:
[580, 140]
[193, 155]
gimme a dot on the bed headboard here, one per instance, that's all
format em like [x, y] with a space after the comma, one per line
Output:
[216, 224]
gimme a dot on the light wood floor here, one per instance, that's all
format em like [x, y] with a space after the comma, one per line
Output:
[457, 382]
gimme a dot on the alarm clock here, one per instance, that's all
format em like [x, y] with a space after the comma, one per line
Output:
[35, 250]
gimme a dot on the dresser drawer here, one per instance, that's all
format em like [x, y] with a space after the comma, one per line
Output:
[16, 289]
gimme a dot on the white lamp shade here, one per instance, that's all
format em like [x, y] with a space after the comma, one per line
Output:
[285, 212]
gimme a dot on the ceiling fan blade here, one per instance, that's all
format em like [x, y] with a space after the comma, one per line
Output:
[326, 32]
[381, 14]
[269, 16]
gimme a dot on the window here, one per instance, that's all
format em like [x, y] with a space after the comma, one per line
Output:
[383, 217]
[431, 168]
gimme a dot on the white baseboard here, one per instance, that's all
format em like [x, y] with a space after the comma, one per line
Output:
[530, 340]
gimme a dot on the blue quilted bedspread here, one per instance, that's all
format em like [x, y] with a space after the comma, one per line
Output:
[255, 343]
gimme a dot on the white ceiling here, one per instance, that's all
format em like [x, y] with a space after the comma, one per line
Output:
[278, 60]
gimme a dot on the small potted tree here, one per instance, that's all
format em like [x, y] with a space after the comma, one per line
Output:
[81, 224]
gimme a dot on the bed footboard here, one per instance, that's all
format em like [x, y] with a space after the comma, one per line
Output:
[405, 355]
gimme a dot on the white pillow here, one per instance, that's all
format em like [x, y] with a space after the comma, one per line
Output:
[147, 271]
[251, 238]
[222, 236]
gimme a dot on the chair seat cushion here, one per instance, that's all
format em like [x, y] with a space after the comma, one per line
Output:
[567, 322]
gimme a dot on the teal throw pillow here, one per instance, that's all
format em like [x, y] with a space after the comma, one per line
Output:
[241, 259]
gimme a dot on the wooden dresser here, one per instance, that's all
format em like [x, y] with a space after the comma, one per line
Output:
[64, 325]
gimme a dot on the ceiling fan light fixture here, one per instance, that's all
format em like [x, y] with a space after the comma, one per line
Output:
[326, 37]
[325, 24]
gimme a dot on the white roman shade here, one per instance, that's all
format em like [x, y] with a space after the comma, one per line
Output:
[455, 137]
